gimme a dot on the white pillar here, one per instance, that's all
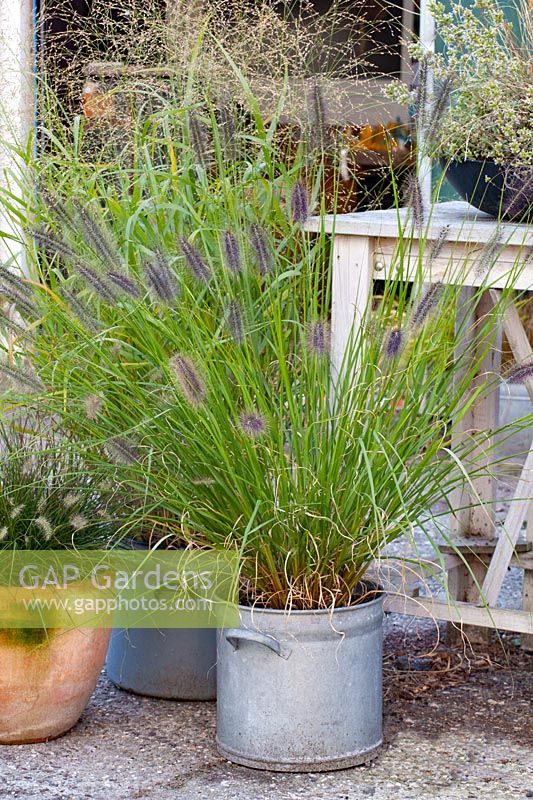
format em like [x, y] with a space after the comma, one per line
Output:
[427, 40]
[16, 97]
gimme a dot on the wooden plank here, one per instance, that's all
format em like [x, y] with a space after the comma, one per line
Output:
[457, 264]
[353, 259]
[516, 336]
[461, 613]
[522, 351]
[474, 519]
[474, 501]
[518, 512]
[466, 224]
[526, 641]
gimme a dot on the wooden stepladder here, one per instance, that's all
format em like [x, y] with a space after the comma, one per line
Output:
[364, 247]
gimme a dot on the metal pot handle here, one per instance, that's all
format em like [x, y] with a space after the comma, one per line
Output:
[235, 635]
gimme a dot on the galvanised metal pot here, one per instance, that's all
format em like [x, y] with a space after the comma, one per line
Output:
[301, 691]
[171, 663]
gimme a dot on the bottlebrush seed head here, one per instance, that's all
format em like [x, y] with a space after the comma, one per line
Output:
[97, 282]
[427, 304]
[394, 343]
[413, 198]
[98, 238]
[7, 276]
[195, 262]
[124, 283]
[263, 253]
[93, 405]
[439, 243]
[235, 322]
[299, 203]
[21, 377]
[45, 527]
[318, 338]
[80, 311]
[253, 424]
[196, 139]
[233, 254]
[189, 381]
[316, 107]
[161, 279]
[521, 372]
[78, 521]
[122, 452]
[52, 245]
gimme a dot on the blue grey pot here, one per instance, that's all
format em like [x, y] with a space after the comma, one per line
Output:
[175, 664]
[171, 663]
[483, 185]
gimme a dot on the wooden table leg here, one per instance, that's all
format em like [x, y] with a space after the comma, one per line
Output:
[522, 351]
[474, 521]
[353, 264]
[526, 640]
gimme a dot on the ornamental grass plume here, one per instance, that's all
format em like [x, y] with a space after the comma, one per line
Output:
[96, 281]
[161, 279]
[421, 93]
[55, 206]
[438, 244]
[45, 527]
[98, 238]
[19, 299]
[489, 253]
[80, 311]
[197, 139]
[413, 198]
[227, 133]
[122, 451]
[93, 405]
[7, 322]
[253, 424]
[22, 377]
[427, 304]
[53, 245]
[188, 379]
[394, 343]
[234, 318]
[78, 522]
[71, 499]
[263, 253]
[233, 253]
[305, 468]
[319, 134]
[125, 284]
[439, 107]
[299, 203]
[195, 262]
[319, 339]
[521, 372]
[46, 490]
[15, 282]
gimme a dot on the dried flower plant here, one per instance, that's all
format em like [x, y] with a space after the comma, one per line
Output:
[484, 77]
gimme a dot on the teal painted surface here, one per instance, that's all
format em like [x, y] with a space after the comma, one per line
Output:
[510, 7]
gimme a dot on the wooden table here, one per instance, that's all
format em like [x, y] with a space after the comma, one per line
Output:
[364, 249]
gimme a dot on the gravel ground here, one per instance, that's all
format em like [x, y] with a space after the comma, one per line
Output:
[460, 729]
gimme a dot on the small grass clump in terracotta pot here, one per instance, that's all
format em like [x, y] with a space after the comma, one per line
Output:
[47, 502]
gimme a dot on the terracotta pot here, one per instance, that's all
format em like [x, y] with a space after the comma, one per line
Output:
[46, 680]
